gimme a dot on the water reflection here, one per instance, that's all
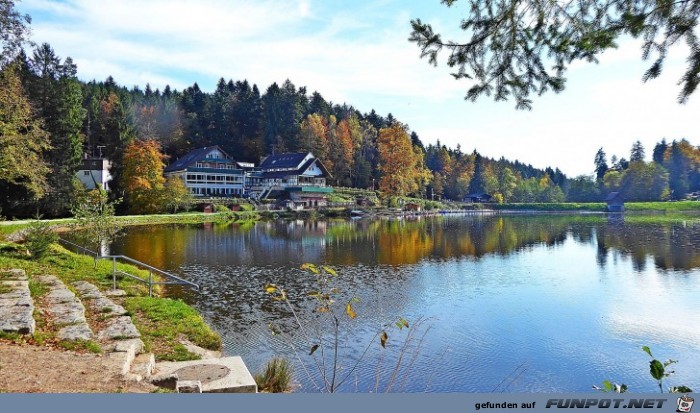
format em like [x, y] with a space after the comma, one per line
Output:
[549, 293]
[403, 241]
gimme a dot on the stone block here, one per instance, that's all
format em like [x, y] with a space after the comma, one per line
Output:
[86, 290]
[13, 274]
[60, 295]
[188, 386]
[119, 327]
[75, 332]
[107, 307]
[68, 313]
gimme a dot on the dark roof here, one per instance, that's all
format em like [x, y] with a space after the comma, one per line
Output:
[481, 195]
[283, 161]
[191, 158]
[296, 172]
[613, 196]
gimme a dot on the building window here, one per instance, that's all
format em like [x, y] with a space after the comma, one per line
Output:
[86, 173]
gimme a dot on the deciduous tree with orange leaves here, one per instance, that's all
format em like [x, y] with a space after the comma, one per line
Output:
[143, 179]
[401, 166]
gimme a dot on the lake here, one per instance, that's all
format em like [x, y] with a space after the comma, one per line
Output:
[545, 303]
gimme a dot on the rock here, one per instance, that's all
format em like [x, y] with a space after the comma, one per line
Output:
[13, 274]
[134, 345]
[48, 280]
[60, 295]
[17, 301]
[119, 327]
[17, 294]
[75, 332]
[16, 284]
[107, 307]
[17, 319]
[86, 290]
[203, 353]
[68, 313]
[115, 293]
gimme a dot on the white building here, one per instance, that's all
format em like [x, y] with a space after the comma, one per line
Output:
[209, 172]
[94, 173]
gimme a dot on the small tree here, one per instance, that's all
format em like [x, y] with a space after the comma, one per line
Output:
[324, 346]
[95, 222]
[176, 196]
[39, 237]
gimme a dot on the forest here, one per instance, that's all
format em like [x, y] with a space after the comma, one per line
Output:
[50, 120]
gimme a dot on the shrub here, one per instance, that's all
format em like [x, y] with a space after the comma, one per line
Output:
[276, 378]
[39, 238]
[221, 208]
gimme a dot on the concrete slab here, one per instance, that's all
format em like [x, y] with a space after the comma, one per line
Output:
[236, 380]
[120, 360]
[143, 365]
[188, 386]
[75, 332]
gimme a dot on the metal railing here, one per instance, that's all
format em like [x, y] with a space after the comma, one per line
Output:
[171, 278]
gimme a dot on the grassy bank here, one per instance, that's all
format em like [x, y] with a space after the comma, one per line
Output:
[161, 321]
[657, 207]
[9, 227]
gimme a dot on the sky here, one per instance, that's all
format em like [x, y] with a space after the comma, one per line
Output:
[357, 52]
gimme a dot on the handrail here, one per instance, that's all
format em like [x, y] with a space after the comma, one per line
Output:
[150, 268]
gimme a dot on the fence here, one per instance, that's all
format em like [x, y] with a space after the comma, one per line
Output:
[171, 278]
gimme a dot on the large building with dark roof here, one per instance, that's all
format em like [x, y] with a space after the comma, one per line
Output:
[209, 172]
[299, 177]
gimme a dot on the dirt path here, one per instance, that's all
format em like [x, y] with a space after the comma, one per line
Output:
[35, 369]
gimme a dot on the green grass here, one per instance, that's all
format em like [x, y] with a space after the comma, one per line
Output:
[81, 345]
[680, 206]
[276, 378]
[666, 207]
[561, 206]
[163, 322]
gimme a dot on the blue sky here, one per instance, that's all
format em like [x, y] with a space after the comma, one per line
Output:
[357, 52]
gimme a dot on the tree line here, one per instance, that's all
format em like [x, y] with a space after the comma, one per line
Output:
[672, 174]
[49, 120]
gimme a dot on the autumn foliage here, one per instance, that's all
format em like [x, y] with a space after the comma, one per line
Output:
[400, 164]
[143, 179]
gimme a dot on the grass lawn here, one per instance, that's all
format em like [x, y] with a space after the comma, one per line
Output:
[161, 321]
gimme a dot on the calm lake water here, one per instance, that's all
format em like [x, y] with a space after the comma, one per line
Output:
[507, 303]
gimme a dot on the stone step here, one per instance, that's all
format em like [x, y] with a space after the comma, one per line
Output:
[119, 336]
[16, 303]
[122, 353]
[65, 310]
[98, 302]
[143, 366]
